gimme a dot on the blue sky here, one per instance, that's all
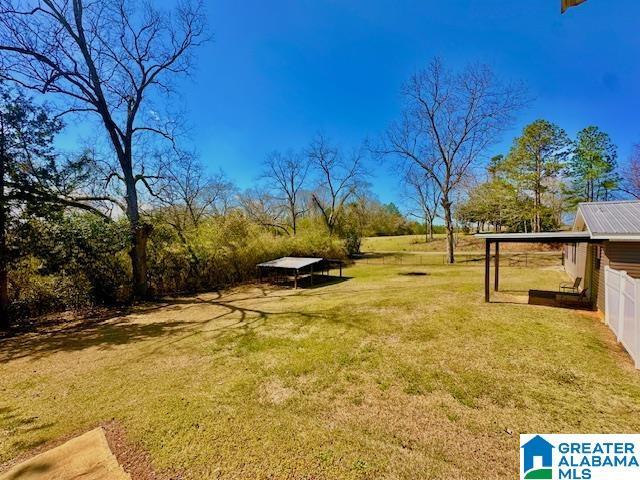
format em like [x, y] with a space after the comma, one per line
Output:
[278, 71]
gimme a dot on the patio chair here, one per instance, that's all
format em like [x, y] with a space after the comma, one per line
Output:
[571, 287]
[568, 299]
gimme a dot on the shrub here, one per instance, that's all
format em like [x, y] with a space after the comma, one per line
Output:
[80, 260]
[74, 261]
[32, 293]
[224, 251]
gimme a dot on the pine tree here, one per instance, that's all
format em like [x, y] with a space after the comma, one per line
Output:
[536, 159]
[592, 167]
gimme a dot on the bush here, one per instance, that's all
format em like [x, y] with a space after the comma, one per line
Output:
[32, 293]
[224, 251]
[78, 261]
[353, 242]
[74, 262]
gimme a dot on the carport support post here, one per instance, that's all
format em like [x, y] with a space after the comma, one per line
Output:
[487, 269]
[295, 279]
[496, 280]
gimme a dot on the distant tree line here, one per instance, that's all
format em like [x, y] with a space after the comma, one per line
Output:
[323, 182]
[452, 119]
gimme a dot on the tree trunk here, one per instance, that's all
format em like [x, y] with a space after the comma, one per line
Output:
[138, 253]
[292, 208]
[537, 196]
[536, 228]
[4, 280]
[139, 236]
[431, 229]
[448, 220]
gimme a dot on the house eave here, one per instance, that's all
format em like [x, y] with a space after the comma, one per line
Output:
[616, 237]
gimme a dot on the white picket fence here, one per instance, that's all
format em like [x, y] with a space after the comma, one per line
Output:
[622, 309]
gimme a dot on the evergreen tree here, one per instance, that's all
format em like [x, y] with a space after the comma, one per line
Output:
[592, 167]
[535, 160]
[496, 166]
[495, 203]
[32, 180]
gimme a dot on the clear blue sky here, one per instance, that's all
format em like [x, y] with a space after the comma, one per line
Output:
[278, 71]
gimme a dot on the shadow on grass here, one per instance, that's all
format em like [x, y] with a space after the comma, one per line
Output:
[578, 308]
[305, 283]
[115, 329]
[11, 420]
[544, 298]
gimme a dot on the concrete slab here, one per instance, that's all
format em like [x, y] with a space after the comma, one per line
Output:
[87, 457]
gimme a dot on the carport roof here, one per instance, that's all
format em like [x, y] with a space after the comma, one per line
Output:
[595, 221]
[544, 237]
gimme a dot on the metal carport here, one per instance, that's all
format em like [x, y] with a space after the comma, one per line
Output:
[498, 238]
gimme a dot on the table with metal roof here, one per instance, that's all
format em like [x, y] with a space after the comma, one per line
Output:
[297, 266]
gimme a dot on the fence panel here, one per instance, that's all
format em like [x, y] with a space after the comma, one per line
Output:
[622, 309]
[612, 279]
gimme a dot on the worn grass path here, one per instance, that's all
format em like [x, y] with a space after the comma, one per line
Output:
[385, 375]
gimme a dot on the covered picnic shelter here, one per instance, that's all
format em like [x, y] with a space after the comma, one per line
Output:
[543, 237]
[297, 267]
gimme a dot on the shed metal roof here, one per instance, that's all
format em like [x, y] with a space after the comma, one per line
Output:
[291, 263]
[614, 220]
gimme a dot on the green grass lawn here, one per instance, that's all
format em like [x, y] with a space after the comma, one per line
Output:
[385, 375]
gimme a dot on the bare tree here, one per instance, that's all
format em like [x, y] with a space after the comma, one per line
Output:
[631, 176]
[261, 207]
[105, 59]
[448, 121]
[188, 194]
[286, 175]
[339, 179]
[424, 196]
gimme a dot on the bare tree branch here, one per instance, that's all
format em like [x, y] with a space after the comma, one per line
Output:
[285, 176]
[339, 179]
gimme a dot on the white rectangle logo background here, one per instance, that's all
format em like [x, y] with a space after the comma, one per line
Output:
[580, 457]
